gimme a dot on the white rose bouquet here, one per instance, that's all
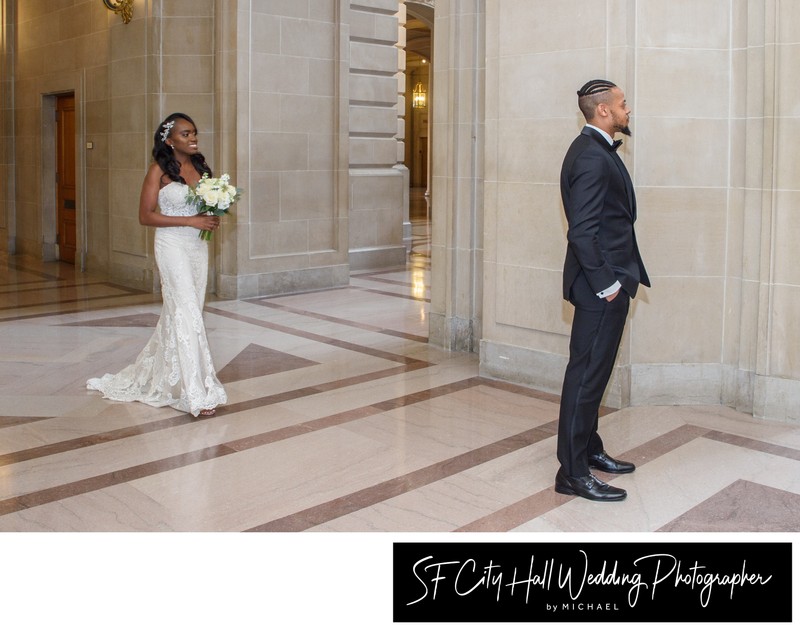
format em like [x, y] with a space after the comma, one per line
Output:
[213, 195]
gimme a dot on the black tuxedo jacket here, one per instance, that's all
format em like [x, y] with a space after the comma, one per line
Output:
[600, 205]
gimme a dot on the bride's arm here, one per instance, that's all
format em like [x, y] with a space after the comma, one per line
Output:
[148, 206]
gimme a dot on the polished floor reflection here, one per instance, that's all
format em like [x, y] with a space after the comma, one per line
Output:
[342, 418]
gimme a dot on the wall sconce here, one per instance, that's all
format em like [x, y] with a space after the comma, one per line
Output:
[420, 97]
[121, 7]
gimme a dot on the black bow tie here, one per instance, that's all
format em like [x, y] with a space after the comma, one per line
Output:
[616, 145]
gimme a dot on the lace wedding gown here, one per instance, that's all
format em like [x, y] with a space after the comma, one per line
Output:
[175, 367]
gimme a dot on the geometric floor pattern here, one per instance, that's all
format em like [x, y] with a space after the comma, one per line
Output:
[742, 506]
[341, 420]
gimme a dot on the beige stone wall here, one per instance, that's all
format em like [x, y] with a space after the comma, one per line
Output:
[713, 160]
[312, 121]
[774, 347]
[53, 49]
[161, 62]
[691, 212]
[283, 93]
[267, 84]
[125, 78]
[301, 102]
[378, 181]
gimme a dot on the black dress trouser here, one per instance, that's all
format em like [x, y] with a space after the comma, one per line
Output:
[597, 330]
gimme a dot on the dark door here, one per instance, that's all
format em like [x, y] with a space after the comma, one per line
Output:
[65, 177]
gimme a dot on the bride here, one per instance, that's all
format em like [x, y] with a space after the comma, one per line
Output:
[175, 367]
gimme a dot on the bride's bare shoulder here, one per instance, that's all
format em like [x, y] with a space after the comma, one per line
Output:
[156, 176]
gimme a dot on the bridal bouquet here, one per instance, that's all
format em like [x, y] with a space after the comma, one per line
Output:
[213, 195]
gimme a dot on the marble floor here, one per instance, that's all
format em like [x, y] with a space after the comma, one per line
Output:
[341, 418]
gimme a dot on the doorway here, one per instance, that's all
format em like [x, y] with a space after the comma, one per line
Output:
[66, 230]
[418, 99]
[419, 84]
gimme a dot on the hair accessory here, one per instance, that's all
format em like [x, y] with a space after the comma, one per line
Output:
[167, 128]
[595, 86]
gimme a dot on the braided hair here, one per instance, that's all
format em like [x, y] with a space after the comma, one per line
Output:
[594, 92]
[164, 156]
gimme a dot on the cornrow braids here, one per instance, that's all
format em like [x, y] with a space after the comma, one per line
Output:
[592, 93]
[595, 86]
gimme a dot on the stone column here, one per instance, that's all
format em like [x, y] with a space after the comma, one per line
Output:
[281, 88]
[772, 96]
[458, 172]
[378, 180]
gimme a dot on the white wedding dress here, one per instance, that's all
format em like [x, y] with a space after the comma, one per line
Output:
[175, 367]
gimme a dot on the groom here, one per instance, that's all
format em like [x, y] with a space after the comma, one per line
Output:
[602, 271]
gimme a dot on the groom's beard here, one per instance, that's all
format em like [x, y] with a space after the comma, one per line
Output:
[620, 124]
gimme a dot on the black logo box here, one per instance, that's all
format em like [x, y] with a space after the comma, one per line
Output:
[592, 582]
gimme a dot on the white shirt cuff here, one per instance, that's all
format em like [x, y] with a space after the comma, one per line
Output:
[610, 290]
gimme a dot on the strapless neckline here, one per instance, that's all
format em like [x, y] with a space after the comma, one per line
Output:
[170, 184]
[172, 199]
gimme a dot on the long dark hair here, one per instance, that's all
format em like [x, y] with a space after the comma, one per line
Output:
[164, 156]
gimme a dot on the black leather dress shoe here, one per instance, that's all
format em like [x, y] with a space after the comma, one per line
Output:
[589, 487]
[603, 461]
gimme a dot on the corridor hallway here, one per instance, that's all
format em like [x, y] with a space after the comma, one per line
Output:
[341, 418]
